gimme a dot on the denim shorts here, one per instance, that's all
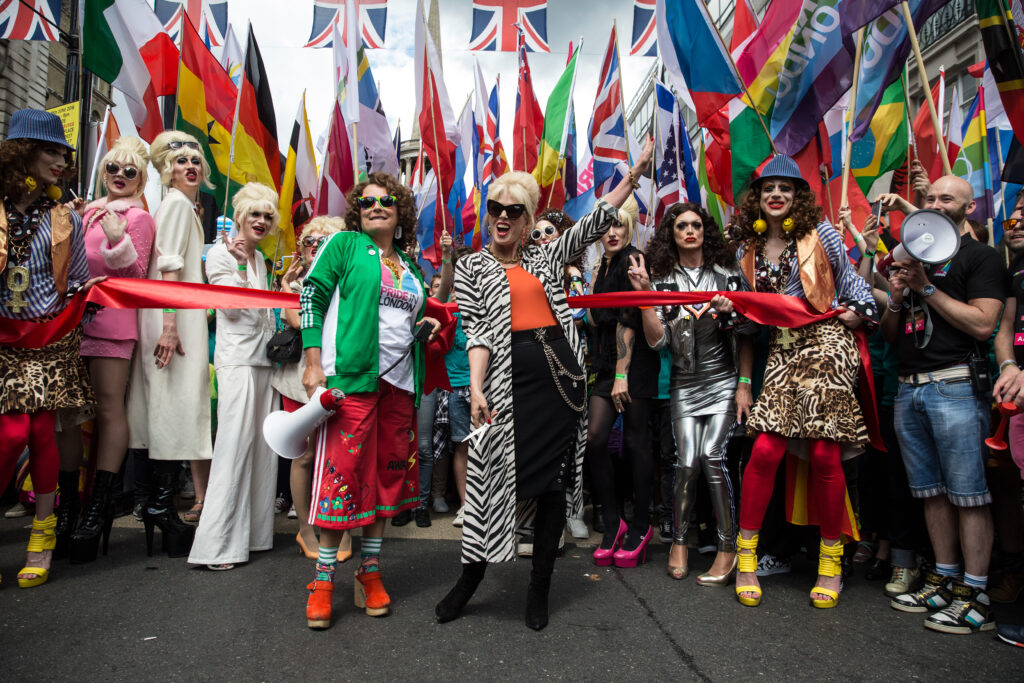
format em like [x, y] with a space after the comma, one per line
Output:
[458, 415]
[941, 427]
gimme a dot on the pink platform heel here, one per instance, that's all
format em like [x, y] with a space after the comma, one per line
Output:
[603, 556]
[631, 558]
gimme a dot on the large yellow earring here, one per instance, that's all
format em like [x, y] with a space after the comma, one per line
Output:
[30, 183]
[760, 225]
[53, 192]
[788, 224]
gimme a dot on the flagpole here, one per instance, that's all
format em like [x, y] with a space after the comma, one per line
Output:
[912, 33]
[424, 203]
[437, 151]
[1002, 185]
[651, 208]
[96, 161]
[746, 92]
[843, 195]
[622, 102]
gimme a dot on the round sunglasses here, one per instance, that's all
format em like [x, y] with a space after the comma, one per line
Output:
[310, 241]
[539, 233]
[129, 171]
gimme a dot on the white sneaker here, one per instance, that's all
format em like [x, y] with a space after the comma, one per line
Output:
[292, 514]
[578, 528]
[525, 546]
[902, 581]
[16, 510]
[440, 507]
[457, 522]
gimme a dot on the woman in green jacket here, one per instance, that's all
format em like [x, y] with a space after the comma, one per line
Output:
[361, 302]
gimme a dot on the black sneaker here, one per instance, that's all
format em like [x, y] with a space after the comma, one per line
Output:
[935, 594]
[402, 518]
[422, 517]
[665, 531]
[969, 612]
[1011, 633]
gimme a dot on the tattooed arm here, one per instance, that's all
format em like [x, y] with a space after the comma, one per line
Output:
[624, 337]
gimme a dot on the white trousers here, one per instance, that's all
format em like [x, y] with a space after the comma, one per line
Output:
[238, 515]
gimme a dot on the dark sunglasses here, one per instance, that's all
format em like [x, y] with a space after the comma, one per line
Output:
[178, 144]
[546, 231]
[1011, 224]
[386, 202]
[495, 209]
[310, 241]
[129, 171]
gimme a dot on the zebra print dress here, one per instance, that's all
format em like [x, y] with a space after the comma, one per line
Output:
[491, 513]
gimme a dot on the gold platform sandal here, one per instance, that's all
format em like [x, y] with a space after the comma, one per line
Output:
[829, 564]
[747, 564]
[41, 539]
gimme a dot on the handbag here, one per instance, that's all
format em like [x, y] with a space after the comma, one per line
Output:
[285, 346]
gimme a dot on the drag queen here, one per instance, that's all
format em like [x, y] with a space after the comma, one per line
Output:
[687, 254]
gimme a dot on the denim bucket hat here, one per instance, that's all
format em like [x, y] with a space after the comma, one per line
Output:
[35, 124]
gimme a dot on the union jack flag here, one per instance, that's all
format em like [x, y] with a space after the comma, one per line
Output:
[608, 126]
[210, 17]
[494, 25]
[373, 18]
[29, 19]
[645, 30]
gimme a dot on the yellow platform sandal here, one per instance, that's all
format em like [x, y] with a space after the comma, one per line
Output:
[747, 564]
[42, 538]
[829, 564]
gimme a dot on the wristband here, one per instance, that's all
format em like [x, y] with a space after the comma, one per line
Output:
[744, 380]
[243, 267]
[619, 375]
[1005, 363]
[170, 310]
[888, 304]
[645, 308]
[446, 260]
[870, 254]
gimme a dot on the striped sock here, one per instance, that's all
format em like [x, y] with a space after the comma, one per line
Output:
[976, 581]
[325, 563]
[947, 569]
[369, 555]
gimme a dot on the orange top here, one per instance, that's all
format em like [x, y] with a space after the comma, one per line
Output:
[530, 306]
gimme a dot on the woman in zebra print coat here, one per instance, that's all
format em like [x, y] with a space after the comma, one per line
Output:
[527, 383]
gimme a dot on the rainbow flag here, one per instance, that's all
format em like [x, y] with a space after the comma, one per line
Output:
[973, 164]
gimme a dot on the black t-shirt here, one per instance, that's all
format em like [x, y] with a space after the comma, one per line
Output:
[976, 272]
[1017, 292]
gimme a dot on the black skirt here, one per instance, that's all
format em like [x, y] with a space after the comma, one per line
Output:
[545, 423]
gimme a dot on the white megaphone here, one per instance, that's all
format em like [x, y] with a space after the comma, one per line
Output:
[929, 236]
[286, 433]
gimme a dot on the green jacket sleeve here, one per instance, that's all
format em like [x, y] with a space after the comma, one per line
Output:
[319, 286]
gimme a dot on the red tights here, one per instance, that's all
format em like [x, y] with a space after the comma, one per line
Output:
[828, 484]
[34, 430]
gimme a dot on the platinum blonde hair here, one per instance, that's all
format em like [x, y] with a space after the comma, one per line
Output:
[255, 197]
[162, 156]
[128, 150]
[521, 187]
[325, 225]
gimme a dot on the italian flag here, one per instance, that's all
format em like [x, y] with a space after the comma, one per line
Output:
[125, 44]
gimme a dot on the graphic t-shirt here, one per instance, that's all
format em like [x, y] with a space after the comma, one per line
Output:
[400, 303]
[1017, 292]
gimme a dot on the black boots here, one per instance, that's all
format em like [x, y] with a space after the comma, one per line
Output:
[96, 520]
[67, 511]
[451, 606]
[160, 511]
[548, 526]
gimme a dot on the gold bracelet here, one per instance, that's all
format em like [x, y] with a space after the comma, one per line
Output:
[632, 181]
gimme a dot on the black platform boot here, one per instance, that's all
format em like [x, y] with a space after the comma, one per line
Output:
[452, 604]
[67, 511]
[550, 522]
[159, 511]
[96, 520]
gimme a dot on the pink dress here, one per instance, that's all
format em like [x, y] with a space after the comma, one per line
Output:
[113, 332]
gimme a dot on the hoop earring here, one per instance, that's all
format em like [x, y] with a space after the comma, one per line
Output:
[760, 225]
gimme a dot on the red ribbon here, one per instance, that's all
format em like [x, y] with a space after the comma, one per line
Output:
[776, 310]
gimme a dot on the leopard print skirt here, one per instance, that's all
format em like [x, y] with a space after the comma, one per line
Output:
[809, 384]
[49, 378]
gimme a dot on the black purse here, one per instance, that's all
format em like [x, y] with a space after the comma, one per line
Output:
[285, 346]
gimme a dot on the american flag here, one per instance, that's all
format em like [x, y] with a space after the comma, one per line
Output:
[29, 19]
[608, 125]
[373, 19]
[210, 17]
[645, 31]
[494, 25]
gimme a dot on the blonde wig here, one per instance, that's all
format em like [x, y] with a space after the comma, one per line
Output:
[521, 187]
[628, 216]
[324, 225]
[131, 151]
[255, 197]
[162, 156]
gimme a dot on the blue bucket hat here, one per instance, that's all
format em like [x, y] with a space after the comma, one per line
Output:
[781, 166]
[35, 124]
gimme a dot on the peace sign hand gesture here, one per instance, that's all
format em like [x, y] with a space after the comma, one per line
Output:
[638, 273]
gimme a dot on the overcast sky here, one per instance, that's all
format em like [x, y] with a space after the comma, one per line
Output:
[291, 68]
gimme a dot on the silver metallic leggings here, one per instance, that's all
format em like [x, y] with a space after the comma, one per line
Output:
[701, 442]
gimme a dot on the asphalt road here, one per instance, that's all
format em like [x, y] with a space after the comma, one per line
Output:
[129, 617]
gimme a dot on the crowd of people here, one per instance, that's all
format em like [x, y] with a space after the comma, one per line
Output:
[875, 379]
